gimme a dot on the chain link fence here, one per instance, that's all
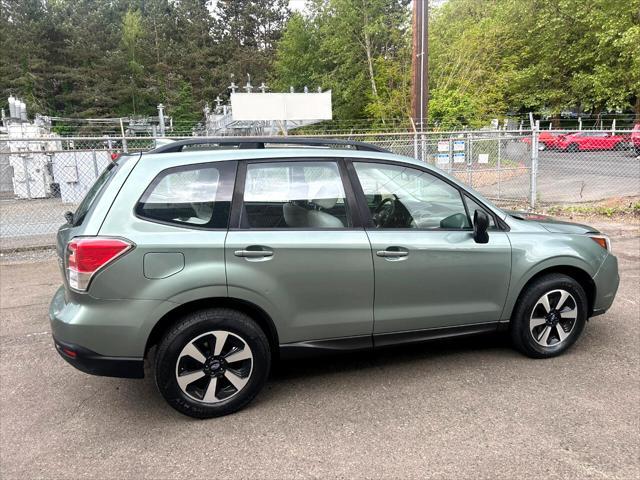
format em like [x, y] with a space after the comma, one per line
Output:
[42, 178]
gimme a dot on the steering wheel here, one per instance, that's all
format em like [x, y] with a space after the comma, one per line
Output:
[384, 212]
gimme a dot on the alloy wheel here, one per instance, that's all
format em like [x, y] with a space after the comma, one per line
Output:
[214, 366]
[553, 318]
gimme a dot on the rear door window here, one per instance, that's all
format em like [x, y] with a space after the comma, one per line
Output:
[294, 195]
[193, 195]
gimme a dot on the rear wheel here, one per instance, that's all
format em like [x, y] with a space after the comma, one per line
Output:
[212, 363]
[573, 147]
[549, 317]
[620, 146]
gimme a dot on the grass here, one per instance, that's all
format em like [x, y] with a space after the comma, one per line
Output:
[619, 208]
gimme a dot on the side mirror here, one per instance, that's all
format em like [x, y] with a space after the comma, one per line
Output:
[480, 226]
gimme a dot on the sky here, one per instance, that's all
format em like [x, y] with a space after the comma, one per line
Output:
[297, 4]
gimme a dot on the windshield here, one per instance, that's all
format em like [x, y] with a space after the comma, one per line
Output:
[92, 194]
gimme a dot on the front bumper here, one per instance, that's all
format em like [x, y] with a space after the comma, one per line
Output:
[607, 280]
[90, 362]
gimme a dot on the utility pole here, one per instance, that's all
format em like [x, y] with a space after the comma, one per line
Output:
[420, 64]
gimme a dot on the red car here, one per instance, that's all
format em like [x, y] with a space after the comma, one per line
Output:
[546, 140]
[592, 141]
[635, 138]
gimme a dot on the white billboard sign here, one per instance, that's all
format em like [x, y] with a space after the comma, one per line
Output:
[281, 106]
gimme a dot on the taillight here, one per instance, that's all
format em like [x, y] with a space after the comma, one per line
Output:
[87, 255]
[115, 156]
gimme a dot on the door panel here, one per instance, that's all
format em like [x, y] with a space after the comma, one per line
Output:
[300, 254]
[446, 279]
[315, 285]
[429, 271]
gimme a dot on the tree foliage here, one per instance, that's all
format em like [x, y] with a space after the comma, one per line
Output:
[360, 49]
[487, 58]
[121, 57]
[490, 58]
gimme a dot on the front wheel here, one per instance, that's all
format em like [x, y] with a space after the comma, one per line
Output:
[549, 316]
[212, 362]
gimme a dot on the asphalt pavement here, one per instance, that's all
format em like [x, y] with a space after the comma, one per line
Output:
[573, 177]
[471, 408]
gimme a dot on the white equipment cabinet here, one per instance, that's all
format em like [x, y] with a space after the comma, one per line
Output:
[76, 170]
[30, 161]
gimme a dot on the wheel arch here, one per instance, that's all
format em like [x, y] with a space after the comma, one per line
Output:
[578, 274]
[261, 317]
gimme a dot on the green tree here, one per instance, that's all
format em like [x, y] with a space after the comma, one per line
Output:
[356, 48]
[131, 32]
[246, 33]
[520, 55]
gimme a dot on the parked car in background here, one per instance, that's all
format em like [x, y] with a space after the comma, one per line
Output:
[546, 140]
[581, 141]
[635, 138]
[222, 261]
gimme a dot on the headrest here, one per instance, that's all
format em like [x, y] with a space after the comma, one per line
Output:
[327, 197]
[326, 203]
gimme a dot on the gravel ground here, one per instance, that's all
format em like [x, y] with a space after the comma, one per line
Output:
[469, 408]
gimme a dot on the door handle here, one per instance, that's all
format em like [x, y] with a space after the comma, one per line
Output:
[253, 253]
[392, 253]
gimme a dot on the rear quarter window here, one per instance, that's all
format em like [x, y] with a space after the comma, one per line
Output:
[190, 196]
[93, 193]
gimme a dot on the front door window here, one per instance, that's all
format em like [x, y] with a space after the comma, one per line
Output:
[404, 197]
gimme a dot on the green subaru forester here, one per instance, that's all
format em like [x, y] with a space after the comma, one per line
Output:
[221, 255]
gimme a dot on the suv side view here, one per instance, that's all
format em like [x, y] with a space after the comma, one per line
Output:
[227, 258]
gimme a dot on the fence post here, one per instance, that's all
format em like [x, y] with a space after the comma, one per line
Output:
[26, 176]
[124, 138]
[534, 164]
[415, 139]
[499, 165]
[470, 161]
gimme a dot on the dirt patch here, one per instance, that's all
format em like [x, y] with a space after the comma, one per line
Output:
[484, 175]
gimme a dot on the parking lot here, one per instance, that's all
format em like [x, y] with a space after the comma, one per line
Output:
[470, 408]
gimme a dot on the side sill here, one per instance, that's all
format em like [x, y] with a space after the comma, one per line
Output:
[313, 348]
[331, 346]
[414, 336]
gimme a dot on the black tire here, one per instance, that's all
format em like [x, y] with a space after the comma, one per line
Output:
[619, 147]
[573, 147]
[521, 333]
[197, 324]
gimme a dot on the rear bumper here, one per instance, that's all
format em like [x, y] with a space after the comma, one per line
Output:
[108, 337]
[90, 362]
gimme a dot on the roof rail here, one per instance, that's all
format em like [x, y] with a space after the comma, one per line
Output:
[259, 143]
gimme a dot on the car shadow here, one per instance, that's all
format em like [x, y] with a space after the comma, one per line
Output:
[311, 373]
